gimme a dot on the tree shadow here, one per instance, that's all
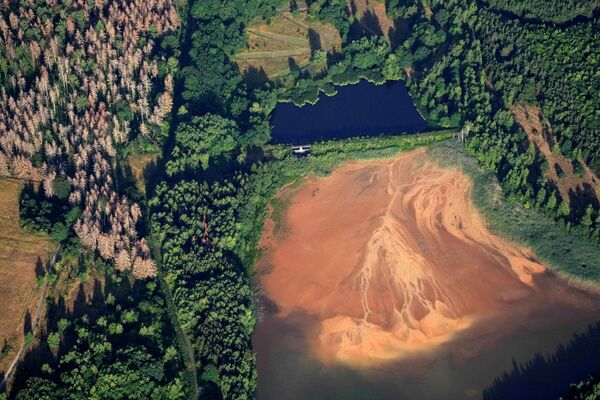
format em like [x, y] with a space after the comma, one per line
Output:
[81, 267]
[314, 40]
[154, 175]
[370, 23]
[40, 269]
[549, 376]
[149, 173]
[580, 198]
[367, 25]
[27, 323]
[125, 180]
[295, 70]
[255, 77]
[398, 32]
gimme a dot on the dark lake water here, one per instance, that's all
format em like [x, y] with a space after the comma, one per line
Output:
[364, 109]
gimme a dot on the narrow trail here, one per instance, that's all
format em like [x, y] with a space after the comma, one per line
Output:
[260, 55]
[191, 359]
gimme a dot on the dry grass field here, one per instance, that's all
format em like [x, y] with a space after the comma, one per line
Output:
[19, 253]
[286, 39]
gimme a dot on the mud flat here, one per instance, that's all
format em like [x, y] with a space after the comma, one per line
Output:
[387, 261]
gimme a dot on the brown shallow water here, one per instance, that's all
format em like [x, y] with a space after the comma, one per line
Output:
[384, 281]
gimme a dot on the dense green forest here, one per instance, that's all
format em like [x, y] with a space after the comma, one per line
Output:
[547, 10]
[112, 339]
[480, 68]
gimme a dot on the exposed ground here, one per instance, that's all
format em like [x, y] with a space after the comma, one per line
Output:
[139, 167]
[372, 16]
[19, 254]
[393, 260]
[286, 39]
[539, 132]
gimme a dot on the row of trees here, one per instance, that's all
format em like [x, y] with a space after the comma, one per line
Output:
[195, 212]
[198, 225]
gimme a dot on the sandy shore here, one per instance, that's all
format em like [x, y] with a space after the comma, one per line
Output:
[393, 260]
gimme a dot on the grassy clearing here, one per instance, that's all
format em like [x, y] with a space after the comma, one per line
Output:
[570, 254]
[139, 164]
[19, 254]
[286, 39]
[291, 40]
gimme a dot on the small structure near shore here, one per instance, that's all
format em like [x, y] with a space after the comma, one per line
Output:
[301, 150]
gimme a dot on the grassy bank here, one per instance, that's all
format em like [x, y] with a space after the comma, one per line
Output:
[326, 155]
[570, 254]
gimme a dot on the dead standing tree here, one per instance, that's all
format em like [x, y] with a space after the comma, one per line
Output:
[62, 110]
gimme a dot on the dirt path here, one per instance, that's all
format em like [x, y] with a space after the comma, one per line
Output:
[260, 55]
[394, 261]
[282, 38]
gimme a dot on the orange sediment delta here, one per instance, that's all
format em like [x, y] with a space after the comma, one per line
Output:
[393, 260]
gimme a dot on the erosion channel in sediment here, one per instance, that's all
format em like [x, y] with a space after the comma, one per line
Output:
[393, 260]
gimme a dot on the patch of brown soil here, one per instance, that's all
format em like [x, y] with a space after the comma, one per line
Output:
[539, 132]
[19, 252]
[427, 11]
[373, 16]
[392, 259]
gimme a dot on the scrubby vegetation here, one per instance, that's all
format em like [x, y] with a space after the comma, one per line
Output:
[586, 389]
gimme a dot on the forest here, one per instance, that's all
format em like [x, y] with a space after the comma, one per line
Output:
[547, 10]
[87, 83]
[105, 335]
